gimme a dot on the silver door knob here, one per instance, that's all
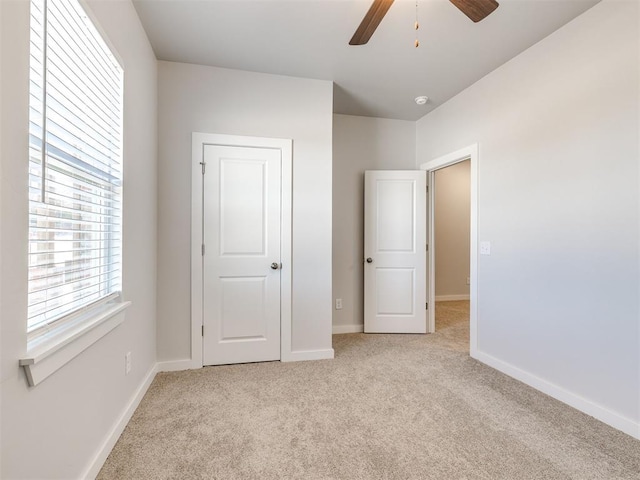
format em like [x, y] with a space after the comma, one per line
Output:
[369, 260]
[275, 265]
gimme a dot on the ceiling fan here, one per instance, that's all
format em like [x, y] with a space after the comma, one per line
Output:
[476, 10]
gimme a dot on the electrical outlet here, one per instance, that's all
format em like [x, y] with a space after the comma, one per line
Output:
[468, 280]
[485, 248]
[127, 363]
[338, 304]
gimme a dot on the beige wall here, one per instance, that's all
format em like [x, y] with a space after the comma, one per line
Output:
[558, 134]
[452, 231]
[359, 144]
[58, 428]
[195, 98]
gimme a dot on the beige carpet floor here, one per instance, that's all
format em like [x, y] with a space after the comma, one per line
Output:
[387, 407]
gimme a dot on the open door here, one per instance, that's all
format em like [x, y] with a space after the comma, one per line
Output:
[395, 273]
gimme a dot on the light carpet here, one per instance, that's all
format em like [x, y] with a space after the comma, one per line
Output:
[387, 407]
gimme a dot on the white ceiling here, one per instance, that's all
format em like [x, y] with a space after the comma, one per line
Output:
[309, 38]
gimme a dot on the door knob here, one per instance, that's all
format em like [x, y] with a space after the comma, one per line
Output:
[275, 265]
[369, 260]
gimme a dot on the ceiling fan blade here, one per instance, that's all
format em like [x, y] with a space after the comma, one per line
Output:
[476, 10]
[370, 22]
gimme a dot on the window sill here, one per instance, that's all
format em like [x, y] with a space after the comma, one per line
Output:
[51, 351]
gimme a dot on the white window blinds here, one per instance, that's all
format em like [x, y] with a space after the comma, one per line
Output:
[75, 164]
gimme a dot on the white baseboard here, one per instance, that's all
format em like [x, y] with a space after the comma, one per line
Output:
[355, 328]
[176, 365]
[451, 298]
[612, 419]
[101, 456]
[301, 355]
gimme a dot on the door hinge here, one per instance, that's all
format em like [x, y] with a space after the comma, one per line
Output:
[427, 188]
[427, 306]
[204, 166]
[427, 247]
[203, 330]
[203, 249]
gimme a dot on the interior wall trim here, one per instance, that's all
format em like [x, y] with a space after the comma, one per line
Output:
[353, 328]
[175, 365]
[96, 463]
[613, 419]
[303, 355]
[452, 298]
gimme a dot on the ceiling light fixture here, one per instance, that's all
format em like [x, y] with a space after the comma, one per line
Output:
[421, 100]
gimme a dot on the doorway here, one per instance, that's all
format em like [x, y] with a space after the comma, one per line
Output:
[470, 155]
[452, 252]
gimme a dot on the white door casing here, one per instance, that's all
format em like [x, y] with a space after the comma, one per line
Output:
[430, 297]
[468, 153]
[395, 252]
[241, 252]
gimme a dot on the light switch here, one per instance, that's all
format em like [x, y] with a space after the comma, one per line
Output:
[485, 248]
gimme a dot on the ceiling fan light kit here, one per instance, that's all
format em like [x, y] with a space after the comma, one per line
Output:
[476, 10]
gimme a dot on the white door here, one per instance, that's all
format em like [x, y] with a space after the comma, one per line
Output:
[395, 252]
[241, 269]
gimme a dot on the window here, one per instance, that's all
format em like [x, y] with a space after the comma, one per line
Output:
[75, 165]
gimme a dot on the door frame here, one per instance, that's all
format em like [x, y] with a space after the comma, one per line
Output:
[468, 153]
[199, 141]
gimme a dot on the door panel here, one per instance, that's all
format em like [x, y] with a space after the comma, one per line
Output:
[395, 215]
[394, 291]
[395, 252]
[242, 203]
[242, 207]
[243, 308]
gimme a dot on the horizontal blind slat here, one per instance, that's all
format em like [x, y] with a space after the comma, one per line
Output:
[99, 49]
[70, 297]
[78, 203]
[45, 261]
[54, 268]
[75, 279]
[51, 216]
[66, 160]
[63, 31]
[50, 316]
[73, 230]
[104, 259]
[96, 127]
[85, 196]
[59, 212]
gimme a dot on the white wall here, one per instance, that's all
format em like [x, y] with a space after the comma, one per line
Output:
[558, 199]
[452, 230]
[195, 98]
[56, 429]
[359, 144]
